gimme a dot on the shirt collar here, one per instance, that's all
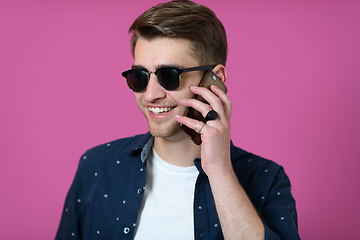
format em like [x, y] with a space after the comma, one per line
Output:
[145, 151]
[146, 142]
[138, 143]
[142, 144]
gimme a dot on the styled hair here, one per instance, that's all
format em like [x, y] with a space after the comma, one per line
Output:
[184, 20]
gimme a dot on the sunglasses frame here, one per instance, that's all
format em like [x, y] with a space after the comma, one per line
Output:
[156, 72]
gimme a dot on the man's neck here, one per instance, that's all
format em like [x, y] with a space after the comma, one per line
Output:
[177, 150]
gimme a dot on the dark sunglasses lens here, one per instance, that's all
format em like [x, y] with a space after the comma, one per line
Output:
[137, 80]
[169, 78]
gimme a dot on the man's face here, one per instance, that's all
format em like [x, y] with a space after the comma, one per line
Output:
[154, 54]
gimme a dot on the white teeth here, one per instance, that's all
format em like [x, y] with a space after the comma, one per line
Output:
[157, 110]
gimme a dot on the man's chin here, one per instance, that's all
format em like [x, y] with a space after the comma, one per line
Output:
[169, 132]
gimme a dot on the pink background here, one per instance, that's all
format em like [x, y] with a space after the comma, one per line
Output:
[293, 76]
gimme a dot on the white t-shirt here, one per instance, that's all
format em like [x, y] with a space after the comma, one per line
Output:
[167, 208]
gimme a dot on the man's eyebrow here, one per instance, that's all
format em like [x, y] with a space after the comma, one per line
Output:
[168, 65]
[135, 66]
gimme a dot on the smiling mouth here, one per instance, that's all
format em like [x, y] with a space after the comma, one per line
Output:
[160, 110]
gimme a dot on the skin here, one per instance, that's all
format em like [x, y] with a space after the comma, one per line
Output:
[237, 216]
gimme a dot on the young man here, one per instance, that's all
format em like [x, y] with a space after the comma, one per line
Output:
[161, 185]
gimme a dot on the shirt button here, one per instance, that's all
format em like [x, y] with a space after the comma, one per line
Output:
[139, 191]
[126, 230]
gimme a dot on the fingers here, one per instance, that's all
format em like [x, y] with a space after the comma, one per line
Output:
[217, 128]
[194, 124]
[226, 103]
[213, 100]
[216, 98]
[203, 108]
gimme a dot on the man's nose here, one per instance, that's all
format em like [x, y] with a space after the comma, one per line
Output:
[154, 90]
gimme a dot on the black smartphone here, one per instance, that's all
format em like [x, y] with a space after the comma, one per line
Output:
[208, 80]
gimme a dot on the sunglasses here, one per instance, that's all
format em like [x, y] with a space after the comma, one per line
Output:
[168, 77]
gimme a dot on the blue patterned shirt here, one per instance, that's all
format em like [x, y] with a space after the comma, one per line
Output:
[107, 191]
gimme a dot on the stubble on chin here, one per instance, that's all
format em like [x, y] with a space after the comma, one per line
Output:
[162, 130]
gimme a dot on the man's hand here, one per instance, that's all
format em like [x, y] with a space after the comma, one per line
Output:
[215, 135]
[238, 218]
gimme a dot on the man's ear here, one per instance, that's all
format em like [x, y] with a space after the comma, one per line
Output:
[220, 72]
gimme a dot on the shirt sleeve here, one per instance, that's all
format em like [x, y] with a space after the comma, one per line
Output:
[279, 212]
[70, 223]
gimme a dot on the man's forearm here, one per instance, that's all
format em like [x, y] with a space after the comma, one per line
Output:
[238, 217]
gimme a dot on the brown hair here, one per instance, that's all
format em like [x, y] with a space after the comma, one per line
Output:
[184, 20]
